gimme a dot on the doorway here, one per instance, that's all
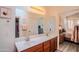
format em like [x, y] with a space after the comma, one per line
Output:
[67, 39]
[16, 27]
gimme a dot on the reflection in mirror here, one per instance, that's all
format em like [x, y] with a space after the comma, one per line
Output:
[52, 24]
[40, 23]
[19, 21]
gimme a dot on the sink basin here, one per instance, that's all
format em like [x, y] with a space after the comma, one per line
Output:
[33, 41]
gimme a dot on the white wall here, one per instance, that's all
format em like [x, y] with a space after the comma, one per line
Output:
[7, 33]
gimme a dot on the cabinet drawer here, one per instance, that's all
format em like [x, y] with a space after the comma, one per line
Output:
[47, 43]
[39, 50]
[47, 46]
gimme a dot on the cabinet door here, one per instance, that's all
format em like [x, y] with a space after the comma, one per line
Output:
[46, 49]
[61, 38]
[47, 46]
[53, 44]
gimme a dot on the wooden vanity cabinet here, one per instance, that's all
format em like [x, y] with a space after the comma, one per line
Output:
[53, 44]
[46, 46]
[61, 38]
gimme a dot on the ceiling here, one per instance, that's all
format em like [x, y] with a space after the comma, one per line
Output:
[61, 9]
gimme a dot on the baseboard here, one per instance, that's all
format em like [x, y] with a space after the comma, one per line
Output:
[66, 39]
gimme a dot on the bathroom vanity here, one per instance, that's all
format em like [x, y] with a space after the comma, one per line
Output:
[38, 44]
[61, 37]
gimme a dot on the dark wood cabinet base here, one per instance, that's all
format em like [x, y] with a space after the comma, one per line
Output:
[61, 38]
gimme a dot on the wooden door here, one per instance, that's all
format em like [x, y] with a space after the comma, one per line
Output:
[47, 46]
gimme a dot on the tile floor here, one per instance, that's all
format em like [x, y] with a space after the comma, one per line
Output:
[68, 47]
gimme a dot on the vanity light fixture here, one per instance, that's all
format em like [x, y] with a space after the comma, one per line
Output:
[37, 10]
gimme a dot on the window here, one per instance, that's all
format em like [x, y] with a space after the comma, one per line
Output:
[77, 22]
[70, 24]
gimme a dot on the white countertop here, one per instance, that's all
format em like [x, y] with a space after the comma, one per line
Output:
[23, 44]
